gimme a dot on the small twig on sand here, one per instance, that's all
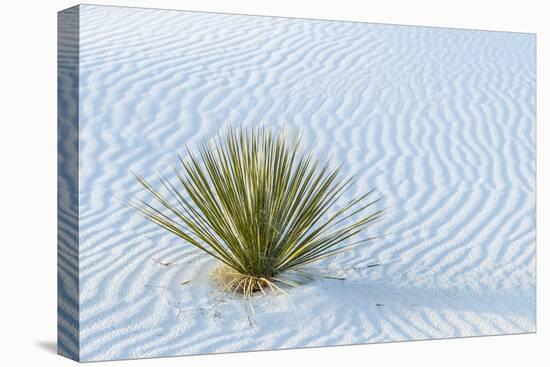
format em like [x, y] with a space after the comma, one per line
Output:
[335, 278]
[160, 262]
[355, 268]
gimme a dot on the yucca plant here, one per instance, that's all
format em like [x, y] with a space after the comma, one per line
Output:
[259, 206]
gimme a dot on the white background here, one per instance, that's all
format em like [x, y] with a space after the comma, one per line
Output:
[28, 181]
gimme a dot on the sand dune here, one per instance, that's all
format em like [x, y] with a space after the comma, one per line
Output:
[440, 121]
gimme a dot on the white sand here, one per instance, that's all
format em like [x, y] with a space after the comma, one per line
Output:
[441, 121]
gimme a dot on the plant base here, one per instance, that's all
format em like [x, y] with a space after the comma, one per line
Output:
[231, 280]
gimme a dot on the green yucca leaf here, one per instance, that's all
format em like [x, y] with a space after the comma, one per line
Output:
[259, 206]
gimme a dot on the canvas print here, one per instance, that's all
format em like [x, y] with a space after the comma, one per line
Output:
[231, 183]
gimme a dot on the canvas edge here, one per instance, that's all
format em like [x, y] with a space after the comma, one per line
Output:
[68, 310]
